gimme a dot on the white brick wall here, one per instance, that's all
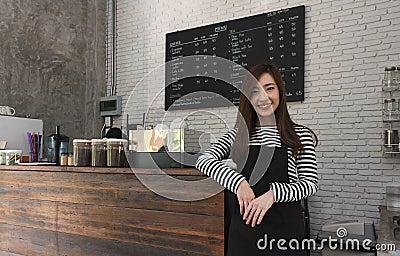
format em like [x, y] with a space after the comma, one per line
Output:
[348, 44]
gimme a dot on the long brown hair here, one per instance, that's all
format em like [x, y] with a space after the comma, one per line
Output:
[247, 118]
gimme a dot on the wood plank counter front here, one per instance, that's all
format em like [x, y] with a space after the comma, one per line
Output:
[54, 210]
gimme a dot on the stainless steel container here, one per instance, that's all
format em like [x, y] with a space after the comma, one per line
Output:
[57, 144]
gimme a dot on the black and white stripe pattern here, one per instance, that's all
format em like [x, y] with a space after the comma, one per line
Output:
[302, 169]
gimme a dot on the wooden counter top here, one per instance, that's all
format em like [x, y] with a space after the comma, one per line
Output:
[56, 210]
[53, 168]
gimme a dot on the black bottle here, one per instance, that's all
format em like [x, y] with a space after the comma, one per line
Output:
[57, 144]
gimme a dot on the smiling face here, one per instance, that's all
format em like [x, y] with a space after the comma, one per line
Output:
[264, 98]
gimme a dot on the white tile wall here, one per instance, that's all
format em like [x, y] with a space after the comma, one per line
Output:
[348, 44]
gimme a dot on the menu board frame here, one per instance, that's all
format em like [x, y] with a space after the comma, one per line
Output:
[277, 37]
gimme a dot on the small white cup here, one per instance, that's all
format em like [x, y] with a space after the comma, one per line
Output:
[3, 144]
[7, 110]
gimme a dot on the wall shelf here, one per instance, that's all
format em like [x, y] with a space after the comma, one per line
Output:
[392, 152]
[390, 116]
[391, 120]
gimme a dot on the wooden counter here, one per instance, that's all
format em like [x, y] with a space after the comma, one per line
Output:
[54, 210]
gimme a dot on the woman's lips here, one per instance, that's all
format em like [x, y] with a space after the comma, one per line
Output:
[264, 106]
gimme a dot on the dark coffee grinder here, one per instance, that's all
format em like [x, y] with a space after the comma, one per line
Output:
[57, 144]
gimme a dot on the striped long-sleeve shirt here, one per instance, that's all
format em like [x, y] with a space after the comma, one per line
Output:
[302, 168]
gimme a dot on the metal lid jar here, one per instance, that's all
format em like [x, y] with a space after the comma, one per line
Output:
[389, 109]
[116, 152]
[99, 152]
[390, 104]
[390, 79]
[82, 152]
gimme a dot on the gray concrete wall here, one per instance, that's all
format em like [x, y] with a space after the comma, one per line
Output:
[52, 62]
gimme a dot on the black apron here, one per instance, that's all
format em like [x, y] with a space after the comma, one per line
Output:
[282, 220]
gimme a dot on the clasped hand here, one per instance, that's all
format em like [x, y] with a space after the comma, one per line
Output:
[253, 209]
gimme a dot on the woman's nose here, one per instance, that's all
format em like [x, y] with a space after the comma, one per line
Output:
[264, 95]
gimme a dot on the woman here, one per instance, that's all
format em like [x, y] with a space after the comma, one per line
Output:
[279, 171]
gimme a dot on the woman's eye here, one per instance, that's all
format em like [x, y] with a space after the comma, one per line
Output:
[254, 91]
[269, 88]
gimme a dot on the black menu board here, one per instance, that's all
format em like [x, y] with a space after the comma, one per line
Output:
[276, 36]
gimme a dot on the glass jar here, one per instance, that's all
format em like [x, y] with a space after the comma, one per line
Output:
[398, 105]
[82, 152]
[390, 79]
[64, 159]
[71, 159]
[398, 76]
[391, 140]
[99, 152]
[389, 109]
[116, 152]
[390, 104]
